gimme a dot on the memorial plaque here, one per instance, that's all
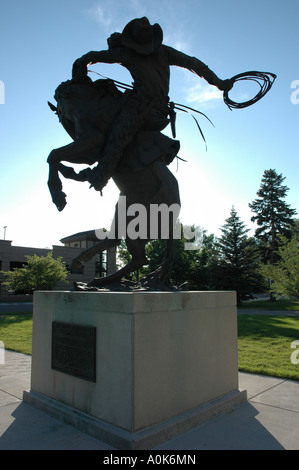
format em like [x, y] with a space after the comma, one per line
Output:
[74, 350]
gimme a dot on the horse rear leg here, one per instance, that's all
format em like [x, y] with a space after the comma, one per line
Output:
[160, 278]
[86, 255]
[137, 249]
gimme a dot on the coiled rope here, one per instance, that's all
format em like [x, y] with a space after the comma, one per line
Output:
[264, 79]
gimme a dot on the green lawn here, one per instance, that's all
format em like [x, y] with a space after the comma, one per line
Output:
[282, 304]
[264, 344]
[16, 332]
[264, 341]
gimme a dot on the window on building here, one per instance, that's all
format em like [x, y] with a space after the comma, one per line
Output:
[16, 264]
[101, 264]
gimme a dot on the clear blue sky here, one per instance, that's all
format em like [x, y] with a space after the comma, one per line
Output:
[40, 41]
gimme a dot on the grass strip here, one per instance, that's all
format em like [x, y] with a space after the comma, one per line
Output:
[282, 304]
[16, 332]
[264, 345]
[264, 342]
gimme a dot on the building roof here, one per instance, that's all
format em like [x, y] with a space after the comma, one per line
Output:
[87, 235]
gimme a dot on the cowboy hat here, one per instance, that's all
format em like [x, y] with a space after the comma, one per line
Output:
[141, 36]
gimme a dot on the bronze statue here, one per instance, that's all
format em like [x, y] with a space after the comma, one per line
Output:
[140, 50]
[142, 175]
[121, 132]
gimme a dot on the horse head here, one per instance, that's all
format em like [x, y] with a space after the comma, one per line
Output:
[86, 102]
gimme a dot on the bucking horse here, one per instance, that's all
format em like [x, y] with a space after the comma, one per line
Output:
[86, 109]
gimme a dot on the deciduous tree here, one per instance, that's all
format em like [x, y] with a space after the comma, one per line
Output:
[39, 273]
[285, 273]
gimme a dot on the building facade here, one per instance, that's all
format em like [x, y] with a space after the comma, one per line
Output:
[103, 264]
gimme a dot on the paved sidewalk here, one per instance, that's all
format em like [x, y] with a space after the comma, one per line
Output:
[269, 419]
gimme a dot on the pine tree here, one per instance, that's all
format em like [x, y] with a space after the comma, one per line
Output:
[237, 259]
[273, 216]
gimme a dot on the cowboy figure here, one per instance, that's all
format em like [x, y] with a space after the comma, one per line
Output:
[140, 50]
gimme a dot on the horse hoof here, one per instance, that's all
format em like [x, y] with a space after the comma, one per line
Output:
[59, 200]
[97, 282]
[61, 206]
[97, 180]
[78, 286]
[84, 175]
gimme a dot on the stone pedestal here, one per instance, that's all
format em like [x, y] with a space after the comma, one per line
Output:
[161, 362]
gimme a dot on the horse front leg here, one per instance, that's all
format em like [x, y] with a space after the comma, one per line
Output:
[83, 150]
[69, 173]
[54, 182]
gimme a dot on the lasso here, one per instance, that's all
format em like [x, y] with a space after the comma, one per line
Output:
[265, 81]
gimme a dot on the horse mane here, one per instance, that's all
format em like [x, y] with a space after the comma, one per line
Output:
[101, 86]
